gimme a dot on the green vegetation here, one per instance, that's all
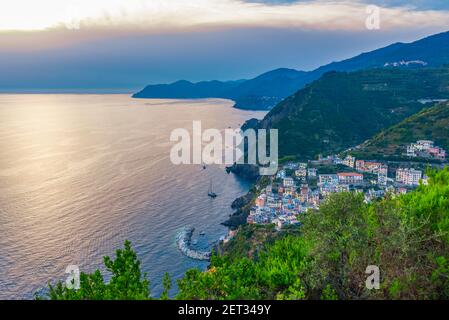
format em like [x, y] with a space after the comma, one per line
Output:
[342, 110]
[286, 159]
[126, 282]
[429, 124]
[237, 276]
[407, 237]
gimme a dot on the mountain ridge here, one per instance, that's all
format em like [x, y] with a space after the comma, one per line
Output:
[270, 88]
[261, 92]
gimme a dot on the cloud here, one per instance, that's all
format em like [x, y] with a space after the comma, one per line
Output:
[156, 15]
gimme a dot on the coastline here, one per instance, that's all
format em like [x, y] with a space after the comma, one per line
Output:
[146, 202]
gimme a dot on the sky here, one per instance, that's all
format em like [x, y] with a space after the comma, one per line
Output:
[127, 44]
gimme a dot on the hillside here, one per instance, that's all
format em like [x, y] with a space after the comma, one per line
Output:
[429, 124]
[262, 92]
[268, 89]
[342, 110]
[406, 237]
[187, 90]
[432, 51]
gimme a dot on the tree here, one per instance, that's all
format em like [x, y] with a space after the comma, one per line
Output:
[166, 282]
[126, 282]
[406, 236]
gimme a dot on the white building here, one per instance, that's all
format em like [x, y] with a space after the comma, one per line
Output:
[281, 174]
[331, 179]
[420, 146]
[411, 150]
[349, 161]
[301, 172]
[382, 175]
[410, 177]
[348, 178]
[288, 182]
[426, 149]
[425, 144]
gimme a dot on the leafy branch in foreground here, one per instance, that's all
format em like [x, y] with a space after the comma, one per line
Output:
[407, 237]
[126, 282]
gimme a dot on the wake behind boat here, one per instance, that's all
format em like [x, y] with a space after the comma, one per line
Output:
[211, 193]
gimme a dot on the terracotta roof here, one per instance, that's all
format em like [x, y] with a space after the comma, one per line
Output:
[349, 174]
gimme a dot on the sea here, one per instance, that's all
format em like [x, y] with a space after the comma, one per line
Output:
[82, 173]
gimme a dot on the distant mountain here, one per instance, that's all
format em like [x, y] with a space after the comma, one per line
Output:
[342, 110]
[187, 90]
[432, 51]
[429, 124]
[268, 89]
[262, 92]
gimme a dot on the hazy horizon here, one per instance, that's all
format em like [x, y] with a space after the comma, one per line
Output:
[125, 45]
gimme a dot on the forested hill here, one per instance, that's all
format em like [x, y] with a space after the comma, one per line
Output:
[342, 110]
[262, 92]
[429, 124]
[268, 89]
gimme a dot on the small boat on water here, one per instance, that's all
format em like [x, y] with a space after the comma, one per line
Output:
[211, 193]
[202, 233]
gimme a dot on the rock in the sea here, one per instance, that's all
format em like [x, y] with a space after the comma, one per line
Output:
[246, 171]
[242, 201]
